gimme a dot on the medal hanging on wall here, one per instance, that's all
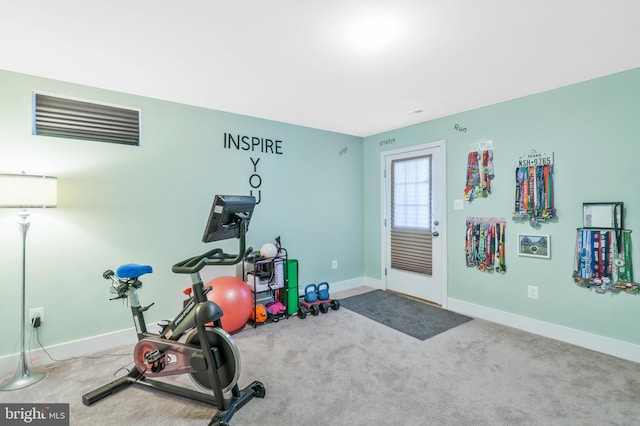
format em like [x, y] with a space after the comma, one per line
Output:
[485, 244]
[479, 170]
[534, 188]
[600, 263]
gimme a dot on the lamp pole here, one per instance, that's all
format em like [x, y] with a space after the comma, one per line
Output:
[26, 191]
[23, 376]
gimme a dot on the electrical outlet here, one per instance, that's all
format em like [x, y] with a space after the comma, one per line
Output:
[458, 204]
[533, 292]
[334, 264]
[36, 312]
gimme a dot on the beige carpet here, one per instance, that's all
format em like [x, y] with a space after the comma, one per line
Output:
[341, 368]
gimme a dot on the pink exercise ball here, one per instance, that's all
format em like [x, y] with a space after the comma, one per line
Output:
[234, 298]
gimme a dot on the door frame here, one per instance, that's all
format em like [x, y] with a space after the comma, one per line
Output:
[443, 221]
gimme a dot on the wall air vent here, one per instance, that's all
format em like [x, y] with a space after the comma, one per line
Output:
[70, 118]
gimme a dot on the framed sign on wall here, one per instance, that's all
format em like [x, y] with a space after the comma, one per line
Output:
[534, 246]
[603, 215]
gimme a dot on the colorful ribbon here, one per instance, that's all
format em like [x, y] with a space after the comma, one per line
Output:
[485, 244]
[600, 263]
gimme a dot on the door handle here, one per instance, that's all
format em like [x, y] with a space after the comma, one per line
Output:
[435, 234]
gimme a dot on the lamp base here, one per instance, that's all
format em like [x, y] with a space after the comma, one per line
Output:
[23, 377]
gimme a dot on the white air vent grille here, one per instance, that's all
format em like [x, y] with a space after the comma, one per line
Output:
[70, 118]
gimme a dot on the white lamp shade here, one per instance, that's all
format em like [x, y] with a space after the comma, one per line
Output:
[30, 191]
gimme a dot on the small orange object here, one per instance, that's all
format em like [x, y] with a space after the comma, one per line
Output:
[259, 314]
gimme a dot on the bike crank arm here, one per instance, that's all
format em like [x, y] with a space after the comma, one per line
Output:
[157, 357]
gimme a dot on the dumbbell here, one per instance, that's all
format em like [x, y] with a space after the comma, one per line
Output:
[313, 309]
[334, 304]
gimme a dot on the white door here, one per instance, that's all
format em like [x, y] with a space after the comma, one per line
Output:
[414, 224]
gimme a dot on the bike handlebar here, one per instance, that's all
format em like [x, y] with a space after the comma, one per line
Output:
[216, 256]
[212, 257]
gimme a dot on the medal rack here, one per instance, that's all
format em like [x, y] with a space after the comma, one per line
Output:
[485, 244]
[602, 260]
[534, 188]
[479, 170]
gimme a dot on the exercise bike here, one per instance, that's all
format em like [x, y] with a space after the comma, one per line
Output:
[188, 344]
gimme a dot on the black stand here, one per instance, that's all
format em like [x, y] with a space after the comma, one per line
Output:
[225, 412]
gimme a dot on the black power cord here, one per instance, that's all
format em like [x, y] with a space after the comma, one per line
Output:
[36, 323]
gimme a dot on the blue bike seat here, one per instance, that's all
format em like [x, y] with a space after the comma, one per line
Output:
[133, 270]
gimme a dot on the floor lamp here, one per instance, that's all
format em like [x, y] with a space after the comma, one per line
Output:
[25, 191]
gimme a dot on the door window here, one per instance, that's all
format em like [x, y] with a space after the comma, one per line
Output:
[411, 214]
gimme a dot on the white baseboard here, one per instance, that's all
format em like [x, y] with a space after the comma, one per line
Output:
[375, 283]
[344, 285]
[62, 351]
[606, 345]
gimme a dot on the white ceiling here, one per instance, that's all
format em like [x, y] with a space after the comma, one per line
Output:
[301, 62]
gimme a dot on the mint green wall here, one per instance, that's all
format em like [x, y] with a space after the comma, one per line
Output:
[592, 128]
[149, 204]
